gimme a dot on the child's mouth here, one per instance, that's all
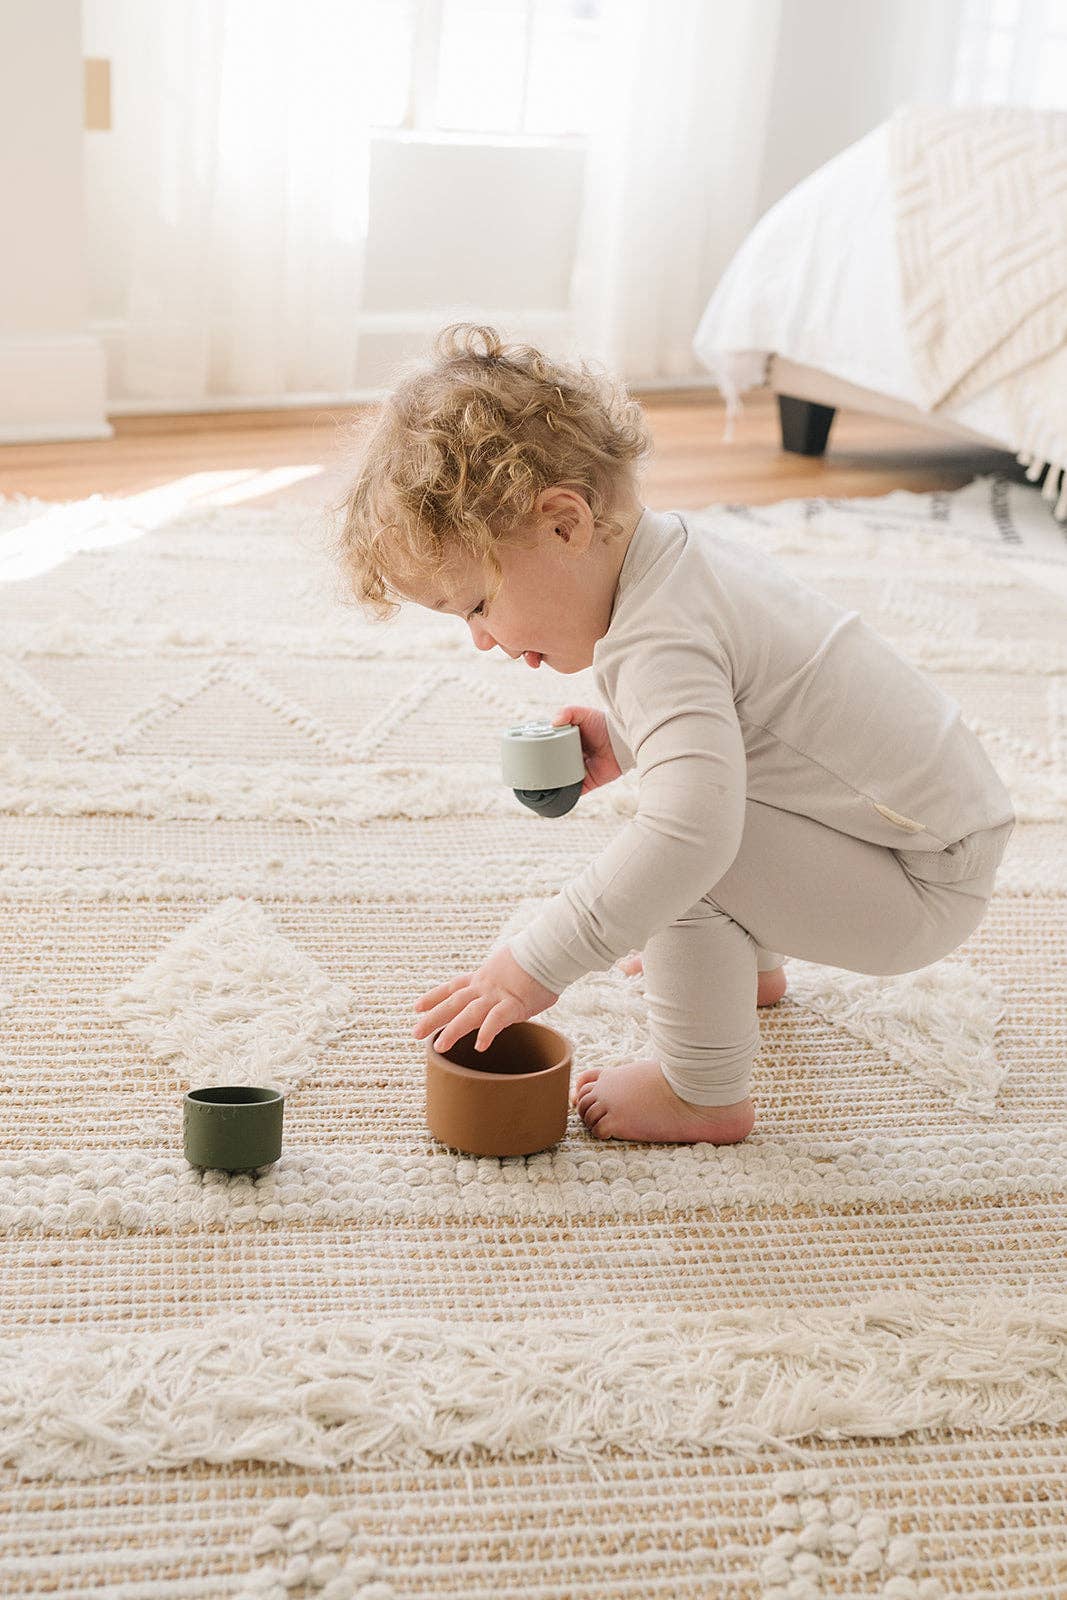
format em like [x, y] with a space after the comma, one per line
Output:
[532, 658]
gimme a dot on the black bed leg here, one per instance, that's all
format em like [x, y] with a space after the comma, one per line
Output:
[805, 425]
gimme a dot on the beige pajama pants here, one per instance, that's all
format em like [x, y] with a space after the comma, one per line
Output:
[799, 888]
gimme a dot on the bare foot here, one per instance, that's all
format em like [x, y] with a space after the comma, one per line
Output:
[771, 986]
[635, 1101]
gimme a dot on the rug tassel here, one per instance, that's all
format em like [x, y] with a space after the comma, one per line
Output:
[734, 408]
[1059, 510]
[1055, 478]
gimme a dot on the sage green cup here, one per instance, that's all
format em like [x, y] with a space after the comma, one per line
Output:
[233, 1128]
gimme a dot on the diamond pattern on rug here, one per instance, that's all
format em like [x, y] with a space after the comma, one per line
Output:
[235, 1000]
[937, 1023]
[201, 726]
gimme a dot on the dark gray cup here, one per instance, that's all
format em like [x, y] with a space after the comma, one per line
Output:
[234, 1128]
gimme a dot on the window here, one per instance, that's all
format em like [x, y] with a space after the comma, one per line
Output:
[1013, 52]
[486, 66]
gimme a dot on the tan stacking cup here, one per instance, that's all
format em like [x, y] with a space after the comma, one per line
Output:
[508, 1100]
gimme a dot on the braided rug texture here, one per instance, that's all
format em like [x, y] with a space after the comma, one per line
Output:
[242, 827]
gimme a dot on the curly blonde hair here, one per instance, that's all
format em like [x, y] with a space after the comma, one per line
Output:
[453, 461]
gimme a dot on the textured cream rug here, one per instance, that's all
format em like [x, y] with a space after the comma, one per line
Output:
[241, 829]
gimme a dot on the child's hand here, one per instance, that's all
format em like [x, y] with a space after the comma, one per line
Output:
[498, 994]
[600, 764]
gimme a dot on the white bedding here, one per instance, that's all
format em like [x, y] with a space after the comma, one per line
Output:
[817, 281]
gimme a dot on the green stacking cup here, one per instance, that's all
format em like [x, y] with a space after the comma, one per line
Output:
[233, 1128]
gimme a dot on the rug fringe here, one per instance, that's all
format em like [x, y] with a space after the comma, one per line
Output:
[405, 1390]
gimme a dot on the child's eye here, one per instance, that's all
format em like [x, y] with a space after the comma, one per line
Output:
[476, 610]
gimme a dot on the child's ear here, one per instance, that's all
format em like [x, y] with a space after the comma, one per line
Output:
[559, 504]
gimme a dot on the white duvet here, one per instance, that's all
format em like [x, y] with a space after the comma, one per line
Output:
[817, 281]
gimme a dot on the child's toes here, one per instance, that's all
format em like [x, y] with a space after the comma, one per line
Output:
[596, 1119]
[583, 1081]
[584, 1100]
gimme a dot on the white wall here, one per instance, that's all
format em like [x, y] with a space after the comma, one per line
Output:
[842, 67]
[430, 261]
[424, 245]
[51, 370]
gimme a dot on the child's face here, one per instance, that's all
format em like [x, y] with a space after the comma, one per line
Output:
[558, 586]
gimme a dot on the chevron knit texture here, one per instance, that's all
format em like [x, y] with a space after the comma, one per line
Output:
[981, 226]
[241, 829]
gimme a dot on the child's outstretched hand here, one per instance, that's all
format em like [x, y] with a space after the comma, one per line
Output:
[600, 764]
[498, 994]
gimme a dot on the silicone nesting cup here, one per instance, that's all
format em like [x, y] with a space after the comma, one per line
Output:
[508, 1100]
[544, 766]
[234, 1128]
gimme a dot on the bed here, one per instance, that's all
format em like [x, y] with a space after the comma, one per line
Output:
[812, 306]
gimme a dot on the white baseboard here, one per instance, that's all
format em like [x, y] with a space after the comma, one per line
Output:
[52, 387]
[387, 339]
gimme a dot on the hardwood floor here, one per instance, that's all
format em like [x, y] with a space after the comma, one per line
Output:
[692, 466]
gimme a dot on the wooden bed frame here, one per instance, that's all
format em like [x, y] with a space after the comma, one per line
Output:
[808, 398]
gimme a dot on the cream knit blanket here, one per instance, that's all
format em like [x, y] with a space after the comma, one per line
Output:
[981, 224]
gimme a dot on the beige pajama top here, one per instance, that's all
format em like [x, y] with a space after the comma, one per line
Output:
[723, 677]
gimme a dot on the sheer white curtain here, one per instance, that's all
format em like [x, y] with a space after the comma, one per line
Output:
[672, 172]
[246, 198]
[702, 102]
[246, 202]
[1014, 52]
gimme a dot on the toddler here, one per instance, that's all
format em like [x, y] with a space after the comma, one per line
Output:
[802, 789]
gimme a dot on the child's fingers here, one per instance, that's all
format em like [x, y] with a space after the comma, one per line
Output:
[493, 1024]
[443, 990]
[427, 1025]
[461, 1024]
[438, 1017]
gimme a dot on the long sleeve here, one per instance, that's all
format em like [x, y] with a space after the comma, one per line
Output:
[673, 696]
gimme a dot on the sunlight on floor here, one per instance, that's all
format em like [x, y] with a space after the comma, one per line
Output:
[44, 540]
